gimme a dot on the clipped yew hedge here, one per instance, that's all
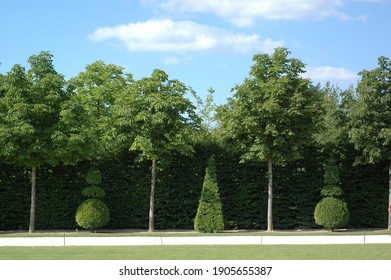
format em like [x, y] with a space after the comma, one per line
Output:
[243, 192]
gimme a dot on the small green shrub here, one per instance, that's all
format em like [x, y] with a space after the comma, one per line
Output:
[331, 191]
[209, 216]
[94, 177]
[331, 173]
[94, 192]
[331, 213]
[92, 214]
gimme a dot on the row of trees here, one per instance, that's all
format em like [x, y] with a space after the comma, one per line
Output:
[273, 115]
[45, 120]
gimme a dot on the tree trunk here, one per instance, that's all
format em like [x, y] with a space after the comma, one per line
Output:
[389, 197]
[152, 197]
[32, 206]
[270, 196]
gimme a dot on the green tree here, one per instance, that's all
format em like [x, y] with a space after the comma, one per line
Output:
[85, 130]
[209, 217]
[207, 110]
[162, 121]
[29, 113]
[2, 85]
[333, 134]
[273, 114]
[370, 117]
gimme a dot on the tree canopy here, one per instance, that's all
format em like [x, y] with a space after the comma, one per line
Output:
[370, 117]
[86, 130]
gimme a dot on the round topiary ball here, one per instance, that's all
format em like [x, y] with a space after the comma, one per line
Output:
[331, 213]
[92, 214]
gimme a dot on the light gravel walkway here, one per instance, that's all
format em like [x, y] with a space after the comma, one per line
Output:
[190, 240]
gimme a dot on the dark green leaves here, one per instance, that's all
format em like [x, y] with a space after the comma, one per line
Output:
[86, 128]
[29, 112]
[370, 117]
[275, 111]
[161, 118]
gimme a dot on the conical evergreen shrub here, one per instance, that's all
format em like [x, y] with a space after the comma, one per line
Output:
[209, 216]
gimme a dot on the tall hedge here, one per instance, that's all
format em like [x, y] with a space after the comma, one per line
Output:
[241, 186]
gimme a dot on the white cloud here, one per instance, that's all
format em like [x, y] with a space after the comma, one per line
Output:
[169, 36]
[329, 73]
[246, 12]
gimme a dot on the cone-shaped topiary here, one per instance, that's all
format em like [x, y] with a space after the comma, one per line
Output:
[209, 216]
[331, 213]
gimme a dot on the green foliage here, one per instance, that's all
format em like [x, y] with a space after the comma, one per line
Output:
[240, 185]
[331, 191]
[370, 115]
[92, 214]
[94, 177]
[85, 128]
[332, 136]
[101, 113]
[206, 111]
[331, 213]
[209, 216]
[275, 111]
[161, 118]
[331, 180]
[273, 114]
[94, 192]
[331, 173]
[29, 112]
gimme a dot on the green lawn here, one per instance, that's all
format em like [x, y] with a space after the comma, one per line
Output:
[214, 252]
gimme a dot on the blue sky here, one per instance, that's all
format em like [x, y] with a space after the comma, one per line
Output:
[203, 43]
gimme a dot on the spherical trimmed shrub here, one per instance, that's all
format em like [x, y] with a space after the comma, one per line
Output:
[331, 213]
[92, 214]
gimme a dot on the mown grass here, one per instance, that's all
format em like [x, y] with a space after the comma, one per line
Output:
[212, 252]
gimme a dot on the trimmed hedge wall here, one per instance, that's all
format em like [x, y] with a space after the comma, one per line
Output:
[243, 190]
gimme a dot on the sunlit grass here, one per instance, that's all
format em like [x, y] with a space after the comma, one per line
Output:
[210, 252]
